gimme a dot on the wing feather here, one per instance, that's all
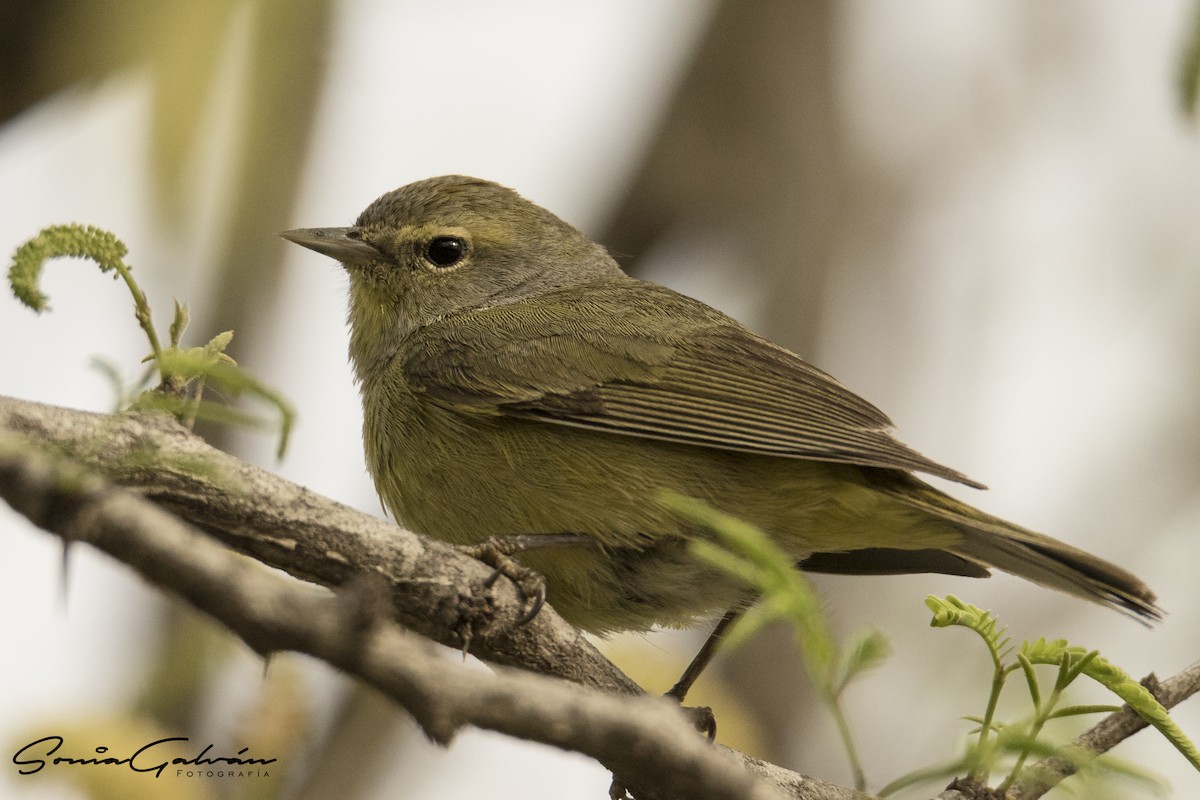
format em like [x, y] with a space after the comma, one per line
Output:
[640, 360]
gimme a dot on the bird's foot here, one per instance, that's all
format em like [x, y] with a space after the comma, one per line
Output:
[704, 720]
[497, 553]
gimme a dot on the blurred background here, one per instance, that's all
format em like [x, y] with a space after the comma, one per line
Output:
[981, 216]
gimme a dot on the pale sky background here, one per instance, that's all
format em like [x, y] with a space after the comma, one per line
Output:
[1042, 338]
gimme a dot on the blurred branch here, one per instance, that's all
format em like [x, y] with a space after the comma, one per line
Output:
[383, 573]
[1189, 66]
[751, 151]
[283, 83]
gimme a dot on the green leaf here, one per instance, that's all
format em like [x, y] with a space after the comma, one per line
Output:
[1075, 711]
[868, 650]
[935, 773]
[179, 323]
[750, 623]
[1076, 666]
[1035, 690]
[216, 346]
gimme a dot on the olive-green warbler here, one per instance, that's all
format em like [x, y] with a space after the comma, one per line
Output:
[515, 381]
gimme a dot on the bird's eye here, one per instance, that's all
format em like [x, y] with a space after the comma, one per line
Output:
[446, 251]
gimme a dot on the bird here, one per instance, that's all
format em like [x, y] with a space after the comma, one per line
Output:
[515, 382]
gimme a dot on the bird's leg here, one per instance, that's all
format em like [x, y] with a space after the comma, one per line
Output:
[679, 691]
[706, 723]
[498, 551]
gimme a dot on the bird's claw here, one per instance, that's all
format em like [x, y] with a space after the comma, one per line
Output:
[702, 716]
[530, 585]
[704, 720]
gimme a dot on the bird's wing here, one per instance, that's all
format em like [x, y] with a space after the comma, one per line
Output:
[641, 360]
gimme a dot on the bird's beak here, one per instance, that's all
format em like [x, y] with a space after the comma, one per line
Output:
[342, 244]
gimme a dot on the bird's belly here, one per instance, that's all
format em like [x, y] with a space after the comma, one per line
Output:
[463, 479]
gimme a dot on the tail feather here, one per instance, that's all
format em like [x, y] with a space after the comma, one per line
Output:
[1031, 555]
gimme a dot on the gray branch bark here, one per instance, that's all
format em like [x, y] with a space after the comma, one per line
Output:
[435, 589]
[383, 573]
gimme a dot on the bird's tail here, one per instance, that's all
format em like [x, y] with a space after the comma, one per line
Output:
[993, 542]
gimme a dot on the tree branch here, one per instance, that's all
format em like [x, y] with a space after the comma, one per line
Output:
[648, 741]
[436, 590]
[383, 571]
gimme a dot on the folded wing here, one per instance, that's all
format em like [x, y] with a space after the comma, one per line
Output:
[640, 360]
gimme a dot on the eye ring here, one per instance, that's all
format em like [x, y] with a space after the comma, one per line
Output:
[445, 251]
